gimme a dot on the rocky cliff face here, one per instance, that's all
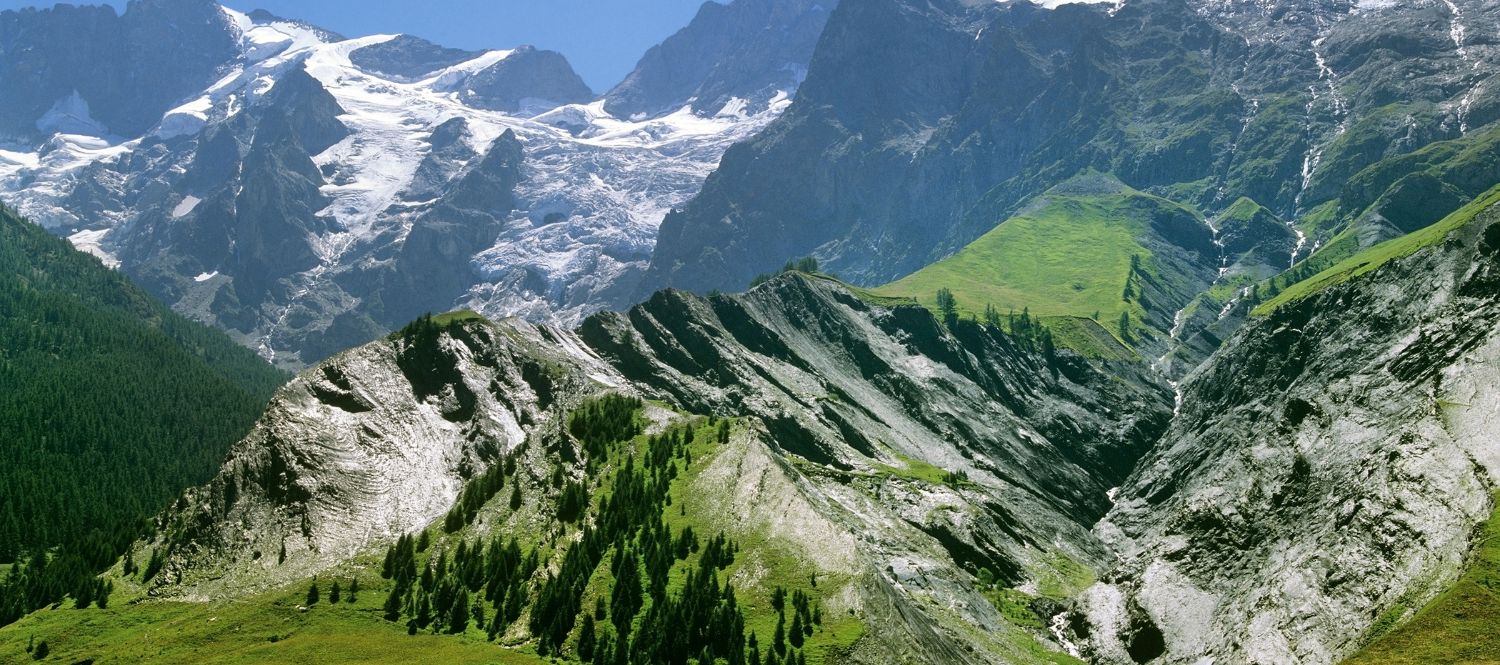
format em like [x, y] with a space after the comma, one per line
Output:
[920, 457]
[86, 69]
[1329, 464]
[373, 444]
[922, 125]
[748, 50]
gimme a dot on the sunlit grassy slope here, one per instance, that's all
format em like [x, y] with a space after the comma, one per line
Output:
[1379, 255]
[263, 629]
[1067, 259]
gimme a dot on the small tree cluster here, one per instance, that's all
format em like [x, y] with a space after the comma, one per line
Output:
[806, 264]
[476, 492]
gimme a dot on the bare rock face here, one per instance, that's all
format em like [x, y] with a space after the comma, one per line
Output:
[375, 443]
[124, 69]
[748, 50]
[1329, 464]
[162, 140]
[923, 124]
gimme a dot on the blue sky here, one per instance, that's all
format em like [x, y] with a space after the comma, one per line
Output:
[602, 38]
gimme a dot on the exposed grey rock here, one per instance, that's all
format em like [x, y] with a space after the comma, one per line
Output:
[386, 128]
[1330, 462]
[527, 81]
[923, 124]
[845, 403]
[408, 57]
[128, 68]
[746, 49]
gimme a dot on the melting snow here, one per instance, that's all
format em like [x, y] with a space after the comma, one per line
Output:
[70, 115]
[1054, 4]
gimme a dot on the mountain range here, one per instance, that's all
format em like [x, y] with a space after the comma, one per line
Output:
[307, 192]
[1120, 332]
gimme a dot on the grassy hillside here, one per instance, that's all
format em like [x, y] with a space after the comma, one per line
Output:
[1379, 255]
[1076, 253]
[110, 405]
[269, 628]
[1459, 626]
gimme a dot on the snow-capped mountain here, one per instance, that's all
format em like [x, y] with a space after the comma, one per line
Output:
[314, 191]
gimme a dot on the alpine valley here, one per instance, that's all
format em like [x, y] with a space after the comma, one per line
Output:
[878, 331]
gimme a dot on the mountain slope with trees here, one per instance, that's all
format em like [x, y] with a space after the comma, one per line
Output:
[110, 405]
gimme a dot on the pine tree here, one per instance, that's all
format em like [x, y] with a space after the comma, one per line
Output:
[392, 605]
[778, 640]
[796, 636]
[586, 639]
[948, 306]
[335, 594]
[458, 614]
[515, 496]
[353, 590]
[312, 594]
[41, 651]
[101, 597]
[424, 612]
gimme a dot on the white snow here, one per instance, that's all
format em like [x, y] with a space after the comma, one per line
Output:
[206, 276]
[186, 206]
[1054, 4]
[90, 242]
[70, 115]
[451, 78]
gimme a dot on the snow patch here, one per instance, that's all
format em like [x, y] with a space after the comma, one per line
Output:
[91, 242]
[187, 205]
[206, 276]
[70, 115]
[449, 80]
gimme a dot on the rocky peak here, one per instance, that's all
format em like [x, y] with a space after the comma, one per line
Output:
[527, 80]
[408, 58]
[747, 49]
[129, 68]
[920, 455]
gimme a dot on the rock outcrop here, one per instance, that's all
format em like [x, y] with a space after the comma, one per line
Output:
[1330, 463]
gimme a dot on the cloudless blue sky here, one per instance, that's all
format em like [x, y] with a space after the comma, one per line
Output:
[602, 38]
